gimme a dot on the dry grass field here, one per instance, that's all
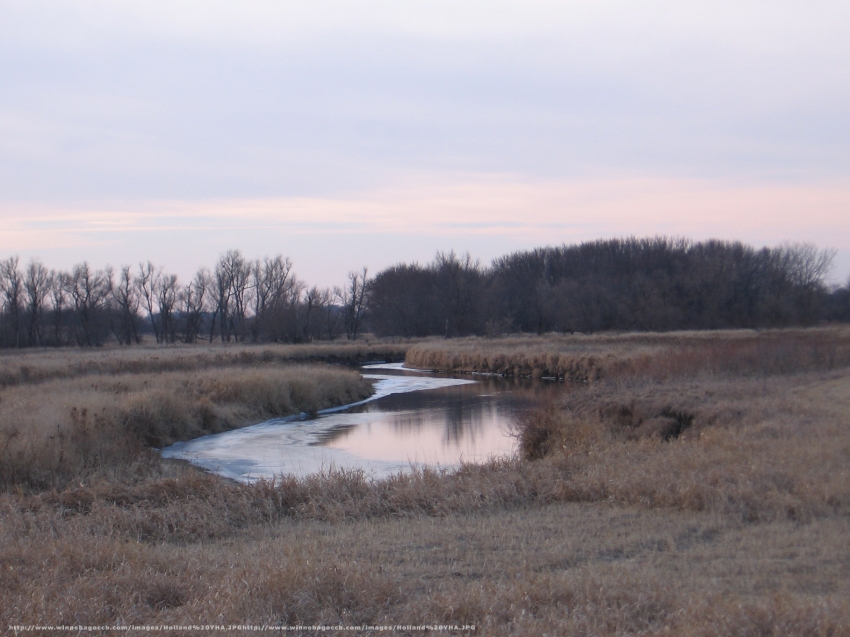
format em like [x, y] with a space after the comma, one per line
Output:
[35, 365]
[668, 355]
[712, 500]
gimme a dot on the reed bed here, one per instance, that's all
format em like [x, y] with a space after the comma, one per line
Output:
[749, 456]
[748, 449]
[590, 358]
[37, 365]
[736, 526]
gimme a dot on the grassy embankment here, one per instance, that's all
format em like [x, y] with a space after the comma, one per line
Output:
[69, 413]
[698, 486]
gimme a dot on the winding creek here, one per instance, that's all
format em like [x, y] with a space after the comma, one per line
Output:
[415, 418]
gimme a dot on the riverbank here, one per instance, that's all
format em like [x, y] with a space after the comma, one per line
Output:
[29, 366]
[103, 412]
[661, 356]
[704, 504]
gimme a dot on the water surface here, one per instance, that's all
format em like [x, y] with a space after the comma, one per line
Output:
[414, 418]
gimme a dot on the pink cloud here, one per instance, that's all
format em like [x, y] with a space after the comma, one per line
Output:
[488, 215]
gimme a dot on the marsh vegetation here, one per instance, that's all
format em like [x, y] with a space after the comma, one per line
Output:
[68, 415]
[657, 356]
[703, 491]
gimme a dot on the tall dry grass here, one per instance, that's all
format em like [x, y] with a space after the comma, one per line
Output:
[755, 449]
[56, 431]
[558, 569]
[693, 500]
[662, 356]
[22, 367]
[751, 454]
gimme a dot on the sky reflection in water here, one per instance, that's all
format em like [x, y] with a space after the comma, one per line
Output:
[413, 419]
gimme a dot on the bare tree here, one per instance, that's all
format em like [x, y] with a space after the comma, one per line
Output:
[231, 295]
[12, 288]
[222, 295]
[276, 292]
[805, 263]
[127, 300]
[37, 287]
[89, 290]
[240, 280]
[194, 298]
[311, 308]
[353, 299]
[330, 313]
[167, 295]
[458, 286]
[59, 286]
[147, 283]
[320, 318]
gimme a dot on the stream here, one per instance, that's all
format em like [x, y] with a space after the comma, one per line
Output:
[414, 419]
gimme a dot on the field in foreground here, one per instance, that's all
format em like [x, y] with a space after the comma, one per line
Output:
[709, 503]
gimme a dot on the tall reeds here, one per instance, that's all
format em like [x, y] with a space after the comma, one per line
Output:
[32, 366]
[582, 358]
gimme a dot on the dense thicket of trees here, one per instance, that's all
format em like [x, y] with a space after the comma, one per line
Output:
[620, 284]
[446, 297]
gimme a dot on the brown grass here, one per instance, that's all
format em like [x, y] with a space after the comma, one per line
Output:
[752, 450]
[36, 365]
[556, 569]
[583, 358]
[708, 503]
[56, 431]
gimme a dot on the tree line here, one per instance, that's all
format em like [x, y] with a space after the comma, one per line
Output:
[238, 300]
[651, 284]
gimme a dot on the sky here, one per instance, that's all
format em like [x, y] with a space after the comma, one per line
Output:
[352, 134]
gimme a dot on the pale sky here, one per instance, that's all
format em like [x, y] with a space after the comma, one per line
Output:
[350, 134]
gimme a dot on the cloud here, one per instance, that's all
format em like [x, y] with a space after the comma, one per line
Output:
[543, 211]
[393, 129]
[190, 100]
